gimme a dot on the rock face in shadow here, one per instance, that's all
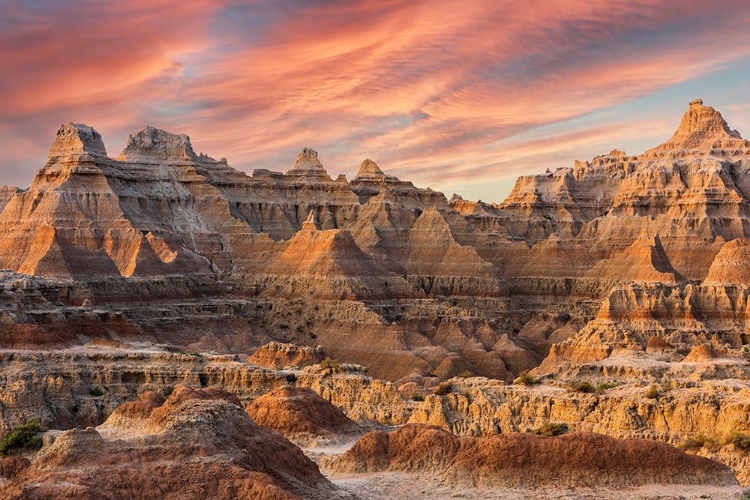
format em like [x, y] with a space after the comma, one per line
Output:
[167, 245]
[528, 461]
[194, 444]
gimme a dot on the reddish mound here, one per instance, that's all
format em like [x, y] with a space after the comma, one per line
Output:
[700, 353]
[278, 355]
[526, 460]
[193, 446]
[299, 413]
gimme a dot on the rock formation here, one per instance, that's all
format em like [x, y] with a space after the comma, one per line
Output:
[300, 415]
[620, 282]
[172, 246]
[528, 461]
[279, 355]
[190, 445]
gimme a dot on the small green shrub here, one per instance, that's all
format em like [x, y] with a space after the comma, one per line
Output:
[417, 397]
[96, 392]
[332, 365]
[605, 386]
[700, 441]
[23, 437]
[653, 392]
[525, 378]
[741, 441]
[585, 387]
[197, 355]
[443, 388]
[550, 429]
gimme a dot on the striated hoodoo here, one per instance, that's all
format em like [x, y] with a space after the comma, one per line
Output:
[307, 164]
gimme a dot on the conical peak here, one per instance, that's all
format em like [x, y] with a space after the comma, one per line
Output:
[369, 169]
[307, 163]
[702, 122]
[151, 143]
[702, 128]
[76, 139]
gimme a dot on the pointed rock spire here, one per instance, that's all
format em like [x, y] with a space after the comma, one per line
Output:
[311, 224]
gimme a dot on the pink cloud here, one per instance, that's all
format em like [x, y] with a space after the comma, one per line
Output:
[435, 91]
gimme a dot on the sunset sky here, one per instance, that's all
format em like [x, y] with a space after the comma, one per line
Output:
[462, 96]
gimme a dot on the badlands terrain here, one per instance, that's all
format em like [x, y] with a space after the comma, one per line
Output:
[174, 328]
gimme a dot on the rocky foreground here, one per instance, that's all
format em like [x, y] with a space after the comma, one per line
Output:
[586, 335]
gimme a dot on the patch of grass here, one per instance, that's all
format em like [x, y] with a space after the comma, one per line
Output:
[605, 386]
[550, 429]
[740, 440]
[653, 392]
[197, 355]
[96, 392]
[23, 437]
[525, 378]
[584, 387]
[417, 397]
[443, 388]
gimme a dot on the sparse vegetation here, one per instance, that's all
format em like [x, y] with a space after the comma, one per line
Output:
[96, 392]
[197, 355]
[525, 378]
[700, 441]
[653, 392]
[466, 374]
[550, 429]
[417, 397]
[22, 438]
[584, 386]
[443, 388]
[333, 365]
[605, 386]
[740, 440]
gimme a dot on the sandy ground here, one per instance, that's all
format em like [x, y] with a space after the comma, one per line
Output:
[395, 486]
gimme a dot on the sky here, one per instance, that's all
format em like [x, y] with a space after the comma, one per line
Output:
[460, 96]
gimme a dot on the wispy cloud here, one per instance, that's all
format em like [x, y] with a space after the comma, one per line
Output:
[439, 92]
